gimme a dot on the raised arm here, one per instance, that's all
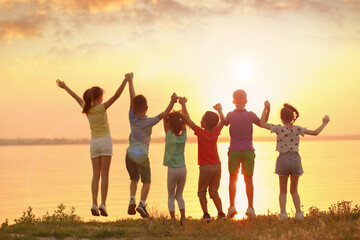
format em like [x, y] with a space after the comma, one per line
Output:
[173, 100]
[131, 89]
[182, 101]
[218, 108]
[316, 132]
[188, 121]
[265, 116]
[62, 85]
[118, 91]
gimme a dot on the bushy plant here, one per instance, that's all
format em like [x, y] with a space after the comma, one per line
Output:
[27, 218]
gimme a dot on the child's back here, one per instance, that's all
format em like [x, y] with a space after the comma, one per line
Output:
[241, 129]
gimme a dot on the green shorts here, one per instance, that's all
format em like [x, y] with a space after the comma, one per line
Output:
[245, 158]
[138, 167]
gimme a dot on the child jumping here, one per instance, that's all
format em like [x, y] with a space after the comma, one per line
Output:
[208, 159]
[175, 130]
[241, 150]
[101, 144]
[288, 162]
[137, 154]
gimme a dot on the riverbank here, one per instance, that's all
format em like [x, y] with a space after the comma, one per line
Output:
[341, 221]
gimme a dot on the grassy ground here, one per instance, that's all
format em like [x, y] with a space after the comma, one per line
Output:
[339, 222]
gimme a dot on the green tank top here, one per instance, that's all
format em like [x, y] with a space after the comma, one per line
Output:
[174, 149]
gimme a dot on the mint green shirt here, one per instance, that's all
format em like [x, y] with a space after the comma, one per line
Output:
[174, 149]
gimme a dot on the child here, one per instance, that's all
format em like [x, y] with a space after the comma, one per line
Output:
[241, 150]
[289, 160]
[175, 130]
[101, 144]
[208, 158]
[137, 160]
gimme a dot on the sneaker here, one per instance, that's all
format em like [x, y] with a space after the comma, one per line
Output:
[103, 211]
[95, 210]
[221, 215]
[206, 217]
[299, 216]
[231, 212]
[142, 210]
[250, 212]
[283, 216]
[132, 206]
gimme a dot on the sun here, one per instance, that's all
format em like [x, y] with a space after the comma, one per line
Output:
[245, 70]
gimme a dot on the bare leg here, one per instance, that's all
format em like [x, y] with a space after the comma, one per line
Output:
[172, 215]
[249, 190]
[294, 192]
[133, 187]
[96, 165]
[105, 167]
[283, 191]
[182, 212]
[145, 191]
[232, 188]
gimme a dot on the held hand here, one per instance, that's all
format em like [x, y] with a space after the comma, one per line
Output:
[217, 107]
[129, 76]
[326, 119]
[182, 100]
[174, 98]
[267, 104]
[60, 84]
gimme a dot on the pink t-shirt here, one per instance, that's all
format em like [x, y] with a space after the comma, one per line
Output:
[207, 145]
[241, 129]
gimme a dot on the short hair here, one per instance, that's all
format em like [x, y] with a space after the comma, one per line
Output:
[140, 103]
[211, 119]
[240, 96]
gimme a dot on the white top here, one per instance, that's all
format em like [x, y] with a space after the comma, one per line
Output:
[287, 137]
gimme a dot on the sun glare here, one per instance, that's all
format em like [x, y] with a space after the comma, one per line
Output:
[245, 70]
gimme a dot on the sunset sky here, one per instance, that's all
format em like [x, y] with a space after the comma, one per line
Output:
[306, 53]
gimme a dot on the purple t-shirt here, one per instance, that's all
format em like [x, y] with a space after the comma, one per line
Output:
[241, 129]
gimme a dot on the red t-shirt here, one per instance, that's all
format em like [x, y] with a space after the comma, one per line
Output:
[207, 145]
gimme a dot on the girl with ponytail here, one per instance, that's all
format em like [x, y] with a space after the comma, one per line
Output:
[101, 144]
[175, 132]
[289, 161]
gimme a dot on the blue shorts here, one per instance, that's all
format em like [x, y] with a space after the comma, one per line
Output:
[289, 163]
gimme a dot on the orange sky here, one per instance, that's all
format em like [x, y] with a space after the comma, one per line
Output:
[305, 52]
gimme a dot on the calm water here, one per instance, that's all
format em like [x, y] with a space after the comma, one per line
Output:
[44, 176]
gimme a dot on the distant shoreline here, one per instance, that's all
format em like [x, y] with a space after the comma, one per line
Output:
[67, 141]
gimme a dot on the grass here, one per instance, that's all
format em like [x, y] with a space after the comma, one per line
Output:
[341, 221]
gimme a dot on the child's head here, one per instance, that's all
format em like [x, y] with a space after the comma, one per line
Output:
[209, 120]
[239, 97]
[91, 95]
[176, 122]
[288, 114]
[140, 104]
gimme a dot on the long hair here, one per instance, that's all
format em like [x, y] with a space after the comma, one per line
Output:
[289, 114]
[90, 95]
[176, 122]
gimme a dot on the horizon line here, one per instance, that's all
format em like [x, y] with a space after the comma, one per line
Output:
[70, 141]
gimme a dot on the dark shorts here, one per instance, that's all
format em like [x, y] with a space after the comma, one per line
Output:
[138, 167]
[289, 163]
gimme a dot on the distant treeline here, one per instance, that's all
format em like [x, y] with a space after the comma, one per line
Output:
[63, 141]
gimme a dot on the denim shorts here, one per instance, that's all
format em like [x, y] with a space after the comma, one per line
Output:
[289, 163]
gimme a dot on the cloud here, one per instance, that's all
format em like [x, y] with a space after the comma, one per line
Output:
[30, 26]
[93, 6]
